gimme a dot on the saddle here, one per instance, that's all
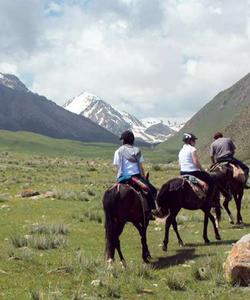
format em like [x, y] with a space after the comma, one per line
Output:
[238, 173]
[199, 186]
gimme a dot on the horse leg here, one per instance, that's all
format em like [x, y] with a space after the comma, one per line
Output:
[237, 199]
[225, 204]
[168, 223]
[118, 246]
[110, 250]
[142, 229]
[216, 228]
[206, 213]
[175, 226]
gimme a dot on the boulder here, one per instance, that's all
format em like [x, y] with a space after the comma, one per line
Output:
[237, 264]
[29, 193]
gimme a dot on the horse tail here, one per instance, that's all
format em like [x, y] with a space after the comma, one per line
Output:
[109, 200]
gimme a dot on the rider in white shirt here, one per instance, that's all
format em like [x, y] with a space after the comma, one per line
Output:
[190, 164]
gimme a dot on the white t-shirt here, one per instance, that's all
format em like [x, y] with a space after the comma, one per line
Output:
[128, 168]
[186, 160]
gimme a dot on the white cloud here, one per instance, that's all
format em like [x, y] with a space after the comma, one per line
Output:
[8, 68]
[151, 58]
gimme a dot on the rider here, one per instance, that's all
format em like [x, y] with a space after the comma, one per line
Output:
[223, 149]
[190, 164]
[129, 162]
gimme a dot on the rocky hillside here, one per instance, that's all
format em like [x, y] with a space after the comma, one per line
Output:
[105, 115]
[227, 112]
[23, 110]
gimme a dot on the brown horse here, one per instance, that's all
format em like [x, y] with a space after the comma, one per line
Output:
[123, 204]
[230, 187]
[177, 194]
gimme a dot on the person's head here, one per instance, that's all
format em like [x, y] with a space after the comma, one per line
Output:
[218, 135]
[127, 137]
[189, 138]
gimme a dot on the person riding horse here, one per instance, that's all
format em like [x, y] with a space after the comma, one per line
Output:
[129, 162]
[190, 164]
[223, 149]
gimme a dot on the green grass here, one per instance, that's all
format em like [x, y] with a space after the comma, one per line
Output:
[53, 248]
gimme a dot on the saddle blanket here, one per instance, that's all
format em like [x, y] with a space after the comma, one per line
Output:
[199, 186]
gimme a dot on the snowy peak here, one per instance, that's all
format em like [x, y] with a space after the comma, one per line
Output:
[102, 113]
[172, 123]
[11, 81]
[132, 120]
[98, 111]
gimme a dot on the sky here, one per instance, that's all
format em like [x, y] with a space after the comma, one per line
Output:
[152, 58]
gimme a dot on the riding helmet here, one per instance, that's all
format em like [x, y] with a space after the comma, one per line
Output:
[188, 137]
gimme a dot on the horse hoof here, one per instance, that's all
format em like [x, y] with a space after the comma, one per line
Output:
[181, 244]
[231, 222]
[165, 248]
[146, 261]
[124, 264]
[218, 238]
[207, 242]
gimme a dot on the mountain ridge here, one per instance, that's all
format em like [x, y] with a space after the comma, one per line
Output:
[23, 110]
[217, 115]
[104, 114]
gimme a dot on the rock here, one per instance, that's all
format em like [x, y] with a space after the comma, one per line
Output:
[237, 264]
[96, 282]
[29, 193]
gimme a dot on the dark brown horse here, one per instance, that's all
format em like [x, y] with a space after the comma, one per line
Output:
[123, 204]
[177, 194]
[230, 187]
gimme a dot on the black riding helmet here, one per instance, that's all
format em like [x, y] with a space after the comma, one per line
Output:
[187, 137]
[127, 137]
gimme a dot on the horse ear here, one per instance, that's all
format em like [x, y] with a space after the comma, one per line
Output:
[147, 175]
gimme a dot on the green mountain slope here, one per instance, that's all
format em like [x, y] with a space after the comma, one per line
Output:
[226, 112]
[27, 142]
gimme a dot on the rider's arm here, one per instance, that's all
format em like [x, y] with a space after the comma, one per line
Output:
[212, 154]
[142, 170]
[196, 160]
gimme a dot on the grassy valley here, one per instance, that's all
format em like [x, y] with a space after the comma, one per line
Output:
[52, 245]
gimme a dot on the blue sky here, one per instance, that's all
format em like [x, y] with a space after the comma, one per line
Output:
[158, 58]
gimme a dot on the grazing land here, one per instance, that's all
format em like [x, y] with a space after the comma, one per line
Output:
[52, 246]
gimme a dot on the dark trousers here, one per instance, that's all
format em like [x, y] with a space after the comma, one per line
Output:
[236, 162]
[151, 194]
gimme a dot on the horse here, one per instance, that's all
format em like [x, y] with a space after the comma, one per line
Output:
[122, 204]
[176, 194]
[230, 187]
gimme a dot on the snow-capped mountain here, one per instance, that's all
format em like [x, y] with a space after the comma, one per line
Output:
[11, 81]
[98, 111]
[102, 113]
[173, 123]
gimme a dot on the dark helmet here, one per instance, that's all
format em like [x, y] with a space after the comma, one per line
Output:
[218, 135]
[187, 137]
[127, 137]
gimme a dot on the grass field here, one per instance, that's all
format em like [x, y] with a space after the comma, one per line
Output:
[53, 248]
